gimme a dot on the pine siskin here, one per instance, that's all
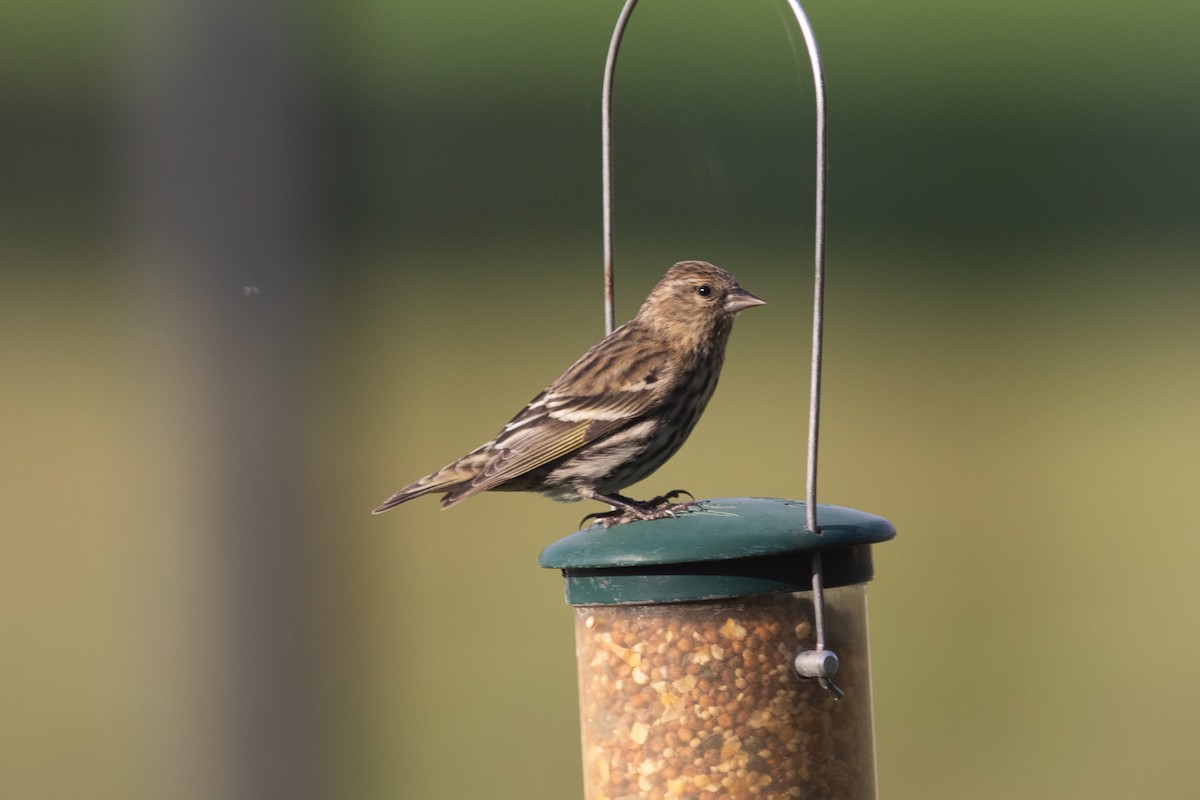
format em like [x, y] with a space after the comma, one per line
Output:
[619, 412]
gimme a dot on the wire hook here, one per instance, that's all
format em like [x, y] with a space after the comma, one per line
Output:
[818, 337]
[819, 663]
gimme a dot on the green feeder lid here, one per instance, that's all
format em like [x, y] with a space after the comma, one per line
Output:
[720, 548]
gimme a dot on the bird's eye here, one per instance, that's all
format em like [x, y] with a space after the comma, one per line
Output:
[704, 290]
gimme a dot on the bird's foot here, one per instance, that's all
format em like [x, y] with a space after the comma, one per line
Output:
[628, 510]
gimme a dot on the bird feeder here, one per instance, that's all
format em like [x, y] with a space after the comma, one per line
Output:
[704, 670]
[693, 634]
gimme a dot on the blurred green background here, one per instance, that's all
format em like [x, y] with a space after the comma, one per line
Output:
[263, 263]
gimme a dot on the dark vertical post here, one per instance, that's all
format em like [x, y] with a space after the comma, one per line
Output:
[221, 181]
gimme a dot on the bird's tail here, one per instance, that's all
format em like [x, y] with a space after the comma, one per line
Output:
[445, 479]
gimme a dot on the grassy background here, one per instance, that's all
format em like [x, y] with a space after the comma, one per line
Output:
[1013, 369]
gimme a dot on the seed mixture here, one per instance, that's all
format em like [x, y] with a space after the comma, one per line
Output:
[699, 700]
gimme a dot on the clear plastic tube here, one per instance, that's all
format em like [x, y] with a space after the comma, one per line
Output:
[700, 700]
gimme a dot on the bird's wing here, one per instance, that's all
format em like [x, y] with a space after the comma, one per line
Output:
[619, 380]
[555, 425]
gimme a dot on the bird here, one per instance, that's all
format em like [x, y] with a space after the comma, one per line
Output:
[618, 413]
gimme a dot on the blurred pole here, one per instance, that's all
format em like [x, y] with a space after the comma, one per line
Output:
[221, 184]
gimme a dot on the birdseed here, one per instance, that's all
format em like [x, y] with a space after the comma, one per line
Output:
[700, 700]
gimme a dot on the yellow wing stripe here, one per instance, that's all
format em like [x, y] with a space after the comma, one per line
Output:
[557, 447]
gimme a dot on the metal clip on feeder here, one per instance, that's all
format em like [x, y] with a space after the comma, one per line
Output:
[701, 639]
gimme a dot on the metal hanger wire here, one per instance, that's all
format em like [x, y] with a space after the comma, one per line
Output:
[610, 69]
[819, 663]
[818, 320]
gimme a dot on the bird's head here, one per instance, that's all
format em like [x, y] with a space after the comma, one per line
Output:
[695, 296]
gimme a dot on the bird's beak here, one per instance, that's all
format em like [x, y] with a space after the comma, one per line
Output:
[739, 300]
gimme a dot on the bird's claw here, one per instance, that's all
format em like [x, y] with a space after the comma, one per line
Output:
[604, 519]
[659, 507]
